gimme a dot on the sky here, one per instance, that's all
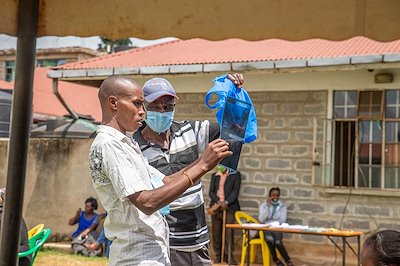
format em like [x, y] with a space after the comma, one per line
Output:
[9, 42]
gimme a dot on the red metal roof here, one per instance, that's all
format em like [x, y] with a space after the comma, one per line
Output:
[82, 99]
[199, 51]
[6, 85]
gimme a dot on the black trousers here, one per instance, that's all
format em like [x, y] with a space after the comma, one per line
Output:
[274, 240]
[217, 225]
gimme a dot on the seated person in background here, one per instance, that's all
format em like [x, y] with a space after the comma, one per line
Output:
[102, 239]
[87, 222]
[382, 249]
[224, 192]
[23, 233]
[270, 211]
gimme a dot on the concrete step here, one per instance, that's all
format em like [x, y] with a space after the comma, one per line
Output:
[59, 246]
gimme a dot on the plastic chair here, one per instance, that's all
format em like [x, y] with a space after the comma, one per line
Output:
[242, 217]
[35, 230]
[35, 242]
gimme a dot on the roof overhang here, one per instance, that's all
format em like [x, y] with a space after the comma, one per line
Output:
[94, 77]
[213, 20]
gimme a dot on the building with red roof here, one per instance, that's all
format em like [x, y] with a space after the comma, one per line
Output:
[328, 118]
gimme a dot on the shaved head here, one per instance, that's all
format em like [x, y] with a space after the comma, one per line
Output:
[116, 85]
[121, 101]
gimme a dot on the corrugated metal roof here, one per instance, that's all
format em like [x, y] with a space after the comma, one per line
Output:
[199, 51]
[46, 103]
[6, 85]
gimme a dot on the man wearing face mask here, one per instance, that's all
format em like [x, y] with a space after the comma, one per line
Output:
[170, 146]
[274, 210]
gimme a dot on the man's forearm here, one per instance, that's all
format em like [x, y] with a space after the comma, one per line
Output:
[150, 201]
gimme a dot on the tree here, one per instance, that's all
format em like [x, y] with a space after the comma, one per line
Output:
[109, 45]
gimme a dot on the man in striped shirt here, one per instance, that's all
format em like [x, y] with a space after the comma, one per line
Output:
[170, 146]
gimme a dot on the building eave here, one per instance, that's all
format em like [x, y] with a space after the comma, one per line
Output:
[345, 62]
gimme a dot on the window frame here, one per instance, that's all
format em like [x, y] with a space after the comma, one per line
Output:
[323, 159]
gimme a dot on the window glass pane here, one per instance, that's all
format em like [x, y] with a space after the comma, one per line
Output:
[5, 111]
[4, 127]
[392, 133]
[392, 177]
[370, 153]
[370, 131]
[10, 64]
[345, 104]
[339, 112]
[351, 112]
[369, 176]
[392, 107]
[370, 104]
[10, 70]
[340, 97]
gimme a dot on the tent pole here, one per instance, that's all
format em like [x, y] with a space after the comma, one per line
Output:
[28, 15]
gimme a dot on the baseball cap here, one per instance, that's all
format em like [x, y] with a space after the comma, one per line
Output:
[157, 87]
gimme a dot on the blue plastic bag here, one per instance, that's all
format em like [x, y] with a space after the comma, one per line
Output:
[224, 87]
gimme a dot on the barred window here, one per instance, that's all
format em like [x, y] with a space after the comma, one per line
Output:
[361, 143]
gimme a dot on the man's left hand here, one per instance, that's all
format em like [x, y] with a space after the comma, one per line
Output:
[224, 205]
[237, 79]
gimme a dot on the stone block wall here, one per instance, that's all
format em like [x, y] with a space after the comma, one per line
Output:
[282, 156]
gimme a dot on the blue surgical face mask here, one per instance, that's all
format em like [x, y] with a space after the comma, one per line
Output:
[159, 122]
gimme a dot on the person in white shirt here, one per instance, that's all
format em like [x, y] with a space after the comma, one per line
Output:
[130, 190]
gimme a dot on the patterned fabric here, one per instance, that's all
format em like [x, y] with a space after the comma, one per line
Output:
[118, 169]
[187, 223]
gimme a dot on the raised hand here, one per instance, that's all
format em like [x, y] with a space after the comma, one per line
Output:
[214, 153]
[78, 213]
[237, 79]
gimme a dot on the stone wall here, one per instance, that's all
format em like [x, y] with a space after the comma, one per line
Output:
[57, 181]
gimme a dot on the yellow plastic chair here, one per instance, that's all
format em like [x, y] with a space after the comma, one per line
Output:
[35, 230]
[242, 217]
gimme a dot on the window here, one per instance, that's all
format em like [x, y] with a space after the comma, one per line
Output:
[360, 146]
[10, 70]
[5, 112]
[50, 62]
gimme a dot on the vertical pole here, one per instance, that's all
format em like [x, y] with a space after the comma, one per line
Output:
[28, 14]
[223, 236]
[248, 247]
[344, 250]
[358, 251]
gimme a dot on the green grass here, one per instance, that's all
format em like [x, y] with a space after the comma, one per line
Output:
[48, 257]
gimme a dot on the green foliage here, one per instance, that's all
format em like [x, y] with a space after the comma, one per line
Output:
[109, 45]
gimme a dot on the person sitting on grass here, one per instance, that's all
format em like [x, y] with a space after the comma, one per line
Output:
[98, 245]
[87, 221]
